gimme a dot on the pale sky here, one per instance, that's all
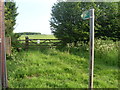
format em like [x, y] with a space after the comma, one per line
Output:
[34, 16]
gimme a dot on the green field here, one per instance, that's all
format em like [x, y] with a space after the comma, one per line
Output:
[38, 37]
[64, 68]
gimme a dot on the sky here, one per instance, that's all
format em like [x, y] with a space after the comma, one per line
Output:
[34, 16]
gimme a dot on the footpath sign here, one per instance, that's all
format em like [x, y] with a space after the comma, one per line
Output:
[90, 15]
[85, 15]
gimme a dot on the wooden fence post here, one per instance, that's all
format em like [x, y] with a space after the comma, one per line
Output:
[8, 45]
[3, 71]
[26, 43]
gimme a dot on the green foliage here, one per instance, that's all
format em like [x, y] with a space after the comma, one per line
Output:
[13, 55]
[67, 24]
[10, 17]
[15, 43]
[51, 68]
[10, 21]
[106, 23]
[107, 50]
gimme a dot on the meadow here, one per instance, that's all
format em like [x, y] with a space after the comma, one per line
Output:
[65, 67]
[37, 37]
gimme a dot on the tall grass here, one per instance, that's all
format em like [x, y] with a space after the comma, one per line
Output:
[65, 67]
[107, 51]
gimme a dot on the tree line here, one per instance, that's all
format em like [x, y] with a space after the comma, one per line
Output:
[67, 24]
[29, 33]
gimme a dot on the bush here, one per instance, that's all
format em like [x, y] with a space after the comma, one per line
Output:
[106, 51]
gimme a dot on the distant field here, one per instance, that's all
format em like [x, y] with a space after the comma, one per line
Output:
[38, 37]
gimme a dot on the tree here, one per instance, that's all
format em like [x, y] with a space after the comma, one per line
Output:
[67, 24]
[107, 22]
[10, 17]
[10, 21]
[117, 30]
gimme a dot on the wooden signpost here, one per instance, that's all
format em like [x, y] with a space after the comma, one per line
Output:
[3, 74]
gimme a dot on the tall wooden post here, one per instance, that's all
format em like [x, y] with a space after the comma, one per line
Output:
[3, 75]
[26, 43]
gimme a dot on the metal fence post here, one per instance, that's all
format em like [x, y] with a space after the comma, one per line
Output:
[91, 68]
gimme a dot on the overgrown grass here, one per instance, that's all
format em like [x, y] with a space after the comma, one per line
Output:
[64, 68]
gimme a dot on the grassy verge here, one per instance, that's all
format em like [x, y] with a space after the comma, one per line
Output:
[52, 68]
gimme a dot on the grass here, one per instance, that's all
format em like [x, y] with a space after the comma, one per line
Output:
[38, 37]
[50, 68]
[53, 68]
